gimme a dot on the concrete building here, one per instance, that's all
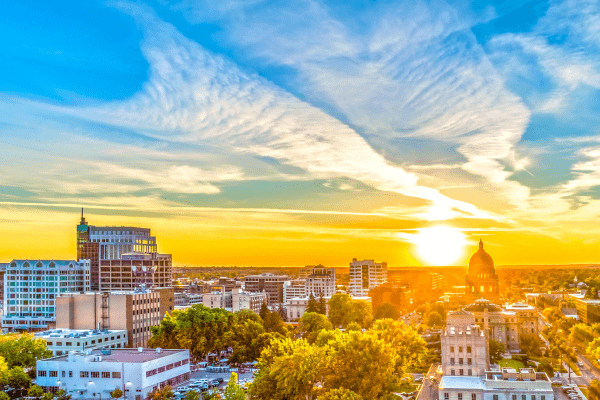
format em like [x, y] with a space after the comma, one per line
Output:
[187, 299]
[397, 295]
[31, 288]
[481, 280]
[366, 275]
[133, 311]
[464, 346]
[235, 300]
[269, 283]
[62, 341]
[96, 373]
[135, 270]
[321, 282]
[508, 384]
[294, 289]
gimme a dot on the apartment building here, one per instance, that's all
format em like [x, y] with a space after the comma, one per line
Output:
[366, 275]
[235, 300]
[96, 373]
[321, 282]
[32, 286]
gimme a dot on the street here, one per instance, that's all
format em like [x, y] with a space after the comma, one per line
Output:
[429, 388]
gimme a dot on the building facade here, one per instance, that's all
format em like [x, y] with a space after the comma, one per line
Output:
[136, 270]
[235, 300]
[321, 282]
[133, 311]
[294, 289]
[269, 283]
[32, 286]
[397, 295]
[62, 341]
[366, 275]
[464, 346]
[96, 373]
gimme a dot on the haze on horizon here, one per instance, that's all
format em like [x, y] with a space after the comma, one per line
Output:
[304, 132]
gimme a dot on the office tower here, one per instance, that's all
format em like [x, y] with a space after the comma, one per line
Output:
[267, 282]
[366, 275]
[321, 282]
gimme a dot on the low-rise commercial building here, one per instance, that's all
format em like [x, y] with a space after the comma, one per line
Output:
[62, 341]
[235, 300]
[96, 373]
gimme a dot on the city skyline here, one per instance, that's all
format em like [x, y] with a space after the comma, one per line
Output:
[297, 133]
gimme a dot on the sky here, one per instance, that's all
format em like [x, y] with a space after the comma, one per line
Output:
[302, 132]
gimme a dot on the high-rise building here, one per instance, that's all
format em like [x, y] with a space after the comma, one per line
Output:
[268, 283]
[366, 275]
[321, 282]
[128, 252]
[132, 311]
[31, 289]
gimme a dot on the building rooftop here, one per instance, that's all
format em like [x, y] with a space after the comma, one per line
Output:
[75, 333]
[462, 382]
[122, 355]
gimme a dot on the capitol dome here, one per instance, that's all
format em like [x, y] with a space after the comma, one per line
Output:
[481, 263]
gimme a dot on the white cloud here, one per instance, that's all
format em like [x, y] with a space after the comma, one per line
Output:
[194, 96]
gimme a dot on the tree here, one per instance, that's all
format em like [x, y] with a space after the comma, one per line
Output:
[191, 395]
[233, 391]
[4, 396]
[434, 319]
[47, 396]
[164, 393]
[116, 394]
[386, 310]
[322, 308]
[343, 310]
[36, 392]
[531, 344]
[23, 350]
[62, 395]
[594, 390]
[407, 343]
[18, 378]
[496, 351]
[312, 305]
[311, 324]
[340, 394]
[264, 310]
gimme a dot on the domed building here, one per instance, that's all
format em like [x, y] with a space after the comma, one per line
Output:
[481, 281]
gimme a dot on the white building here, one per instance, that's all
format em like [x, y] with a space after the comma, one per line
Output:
[96, 373]
[508, 384]
[294, 289]
[463, 344]
[62, 341]
[247, 301]
[31, 288]
[321, 282]
[115, 241]
[235, 300]
[366, 275]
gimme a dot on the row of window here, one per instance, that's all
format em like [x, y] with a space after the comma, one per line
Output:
[460, 361]
[169, 367]
[460, 349]
[495, 397]
[82, 374]
[106, 339]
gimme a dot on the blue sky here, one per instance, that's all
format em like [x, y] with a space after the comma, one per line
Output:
[481, 115]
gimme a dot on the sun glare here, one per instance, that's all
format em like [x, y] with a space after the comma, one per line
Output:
[440, 245]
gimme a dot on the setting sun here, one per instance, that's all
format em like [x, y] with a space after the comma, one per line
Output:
[440, 245]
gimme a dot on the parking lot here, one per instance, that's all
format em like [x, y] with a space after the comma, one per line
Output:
[202, 374]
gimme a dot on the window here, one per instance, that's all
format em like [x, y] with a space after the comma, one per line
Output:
[514, 397]
[543, 397]
[452, 372]
[64, 374]
[54, 374]
[469, 361]
[95, 374]
[452, 361]
[461, 371]
[523, 397]
[533, 397]
[495, 397]
[460, 349]
[446, 396]
[451, 349]
[468, 349]
[41, 373]
[84, 374]
[460, 361]
[460, 396]
[105, 374]
[70, 374]
[116, 375]
[473, 396]
[470, 372]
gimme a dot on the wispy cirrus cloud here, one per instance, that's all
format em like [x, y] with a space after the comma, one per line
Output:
[195, 96]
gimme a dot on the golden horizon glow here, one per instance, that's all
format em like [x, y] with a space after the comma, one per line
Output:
[440, 245]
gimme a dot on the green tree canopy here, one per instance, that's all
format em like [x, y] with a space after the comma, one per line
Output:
[116, 394]
[496, 351]
[233, 391]
[340, 394]
[311, 324]
[343, 310]
[23, 350]
[434, 319]
[312, 306]
[594, 390]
